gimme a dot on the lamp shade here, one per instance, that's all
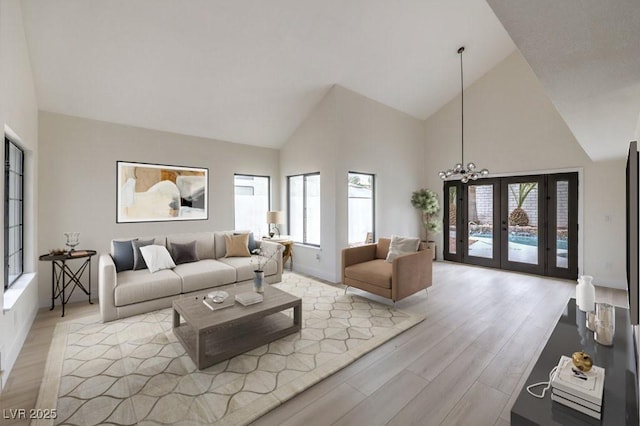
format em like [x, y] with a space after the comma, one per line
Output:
[275, 217]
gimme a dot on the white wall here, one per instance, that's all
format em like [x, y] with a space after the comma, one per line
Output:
[18, 111]
[78, 182]
[349, 132]
[512, 127]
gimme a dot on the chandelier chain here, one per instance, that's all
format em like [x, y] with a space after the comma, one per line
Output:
[468, 172]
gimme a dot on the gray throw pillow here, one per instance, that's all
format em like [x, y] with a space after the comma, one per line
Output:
[123, 255]
[184, 253]
[138, 260]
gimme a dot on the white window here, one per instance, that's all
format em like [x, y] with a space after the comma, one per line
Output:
[13, 212]
[304, 208]
[361, 207]
[252, 201]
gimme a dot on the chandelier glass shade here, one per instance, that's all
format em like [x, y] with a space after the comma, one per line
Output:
[470, 172]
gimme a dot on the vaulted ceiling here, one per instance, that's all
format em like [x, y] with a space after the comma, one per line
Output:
[586, 54]
[250, 71]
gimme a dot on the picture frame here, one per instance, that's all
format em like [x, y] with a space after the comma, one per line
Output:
[149, 192]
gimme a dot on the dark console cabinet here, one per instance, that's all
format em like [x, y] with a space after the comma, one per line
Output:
[620, 404]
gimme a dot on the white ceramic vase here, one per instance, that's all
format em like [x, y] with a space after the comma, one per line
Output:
[586, 294]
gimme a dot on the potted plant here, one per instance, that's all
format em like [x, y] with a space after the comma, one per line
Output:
[427, 202]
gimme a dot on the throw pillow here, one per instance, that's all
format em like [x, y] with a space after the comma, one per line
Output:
[402, 245]
[252, 241]
[184, 253]
[123, 255]
[157, 258]
[138, 260]
[237, 245]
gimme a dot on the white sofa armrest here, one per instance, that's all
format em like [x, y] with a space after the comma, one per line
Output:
[267, 248]
[107, 281]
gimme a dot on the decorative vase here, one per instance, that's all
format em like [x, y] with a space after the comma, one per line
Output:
[258, 281]
[586, 294]
[73, 239]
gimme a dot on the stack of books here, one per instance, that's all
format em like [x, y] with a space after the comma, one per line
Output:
[579, 390]
[248, 298]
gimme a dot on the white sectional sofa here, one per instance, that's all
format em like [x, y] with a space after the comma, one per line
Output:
[131, 292]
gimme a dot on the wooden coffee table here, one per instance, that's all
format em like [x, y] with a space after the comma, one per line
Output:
[213, 336]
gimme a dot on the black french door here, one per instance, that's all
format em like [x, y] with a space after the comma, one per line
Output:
[521, 223]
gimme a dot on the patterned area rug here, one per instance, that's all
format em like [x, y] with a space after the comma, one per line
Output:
[135, 371]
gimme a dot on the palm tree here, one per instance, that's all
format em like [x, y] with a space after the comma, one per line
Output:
[518, 216]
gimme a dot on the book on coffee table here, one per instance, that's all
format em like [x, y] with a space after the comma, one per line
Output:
[249, 298]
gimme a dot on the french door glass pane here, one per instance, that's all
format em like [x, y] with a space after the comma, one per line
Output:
[562, 224]
[523, 222]
[453, 211]
[480, 215]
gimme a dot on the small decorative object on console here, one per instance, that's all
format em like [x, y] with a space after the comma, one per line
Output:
[585, 294]
[580, 390]
[582, 361]
[56, 252]
[605, 324]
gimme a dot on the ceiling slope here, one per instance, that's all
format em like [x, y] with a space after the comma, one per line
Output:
[586, 54]
[250, 71]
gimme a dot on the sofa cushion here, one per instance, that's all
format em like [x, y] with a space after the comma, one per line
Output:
[184, 253]
[140, 286]
[204, 243]
[237, 245]
[244, 267]
[382, 248]
[376, 272]
[123, 255]
[204, 274]
[138, 260]
[402, 245]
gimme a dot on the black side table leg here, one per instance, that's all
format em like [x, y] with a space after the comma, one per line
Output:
[90, 302]
[64, 284]
[53, 286]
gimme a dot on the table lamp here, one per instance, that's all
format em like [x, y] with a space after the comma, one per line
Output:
[274, 217]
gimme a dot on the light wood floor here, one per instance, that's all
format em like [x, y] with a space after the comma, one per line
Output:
[465, 364]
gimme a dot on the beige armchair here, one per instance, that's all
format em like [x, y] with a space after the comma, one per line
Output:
[365, 267]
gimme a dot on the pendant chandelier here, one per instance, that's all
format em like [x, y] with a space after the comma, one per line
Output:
[470, 172]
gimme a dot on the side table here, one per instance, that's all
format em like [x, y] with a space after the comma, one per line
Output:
[63, 276]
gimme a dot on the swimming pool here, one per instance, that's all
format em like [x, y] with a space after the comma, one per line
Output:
[527, 240]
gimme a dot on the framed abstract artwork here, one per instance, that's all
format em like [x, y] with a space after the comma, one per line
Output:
[157, 192]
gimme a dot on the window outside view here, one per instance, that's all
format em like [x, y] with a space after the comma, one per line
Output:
[361, 206]
[304, 208]
[252, 204]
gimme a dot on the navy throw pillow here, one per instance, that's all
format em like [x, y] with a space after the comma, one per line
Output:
[123, 255]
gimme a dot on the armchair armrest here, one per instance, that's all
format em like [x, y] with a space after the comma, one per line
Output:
[359, 254]
[411, 273]
[107, 281]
